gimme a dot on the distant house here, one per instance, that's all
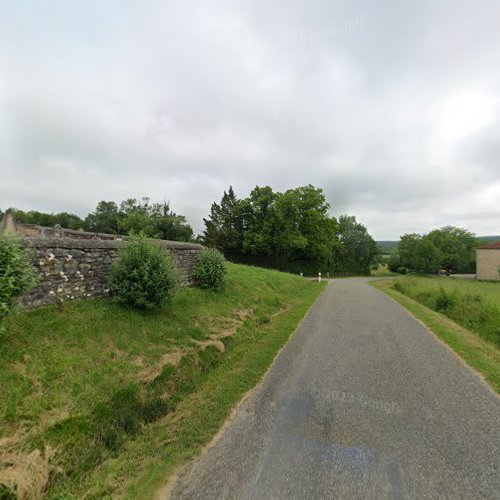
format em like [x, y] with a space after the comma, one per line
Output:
[488, 261]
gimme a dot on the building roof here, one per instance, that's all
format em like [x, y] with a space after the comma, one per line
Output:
[490, 246]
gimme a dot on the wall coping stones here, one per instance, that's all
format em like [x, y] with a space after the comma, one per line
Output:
[38, 242]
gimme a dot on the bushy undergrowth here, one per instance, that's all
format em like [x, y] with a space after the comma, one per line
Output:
[210, 270]
[17, 275]
[144, 274]
[474, 311]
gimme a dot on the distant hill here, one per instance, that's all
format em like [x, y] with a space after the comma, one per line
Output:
[387, 247]
[487, 239]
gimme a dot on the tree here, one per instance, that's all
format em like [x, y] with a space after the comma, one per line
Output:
[225, 226]
[133, 216]
[105, 218]
[64, 219]
[357, 250]
[449, 248]
[290, 231]
[457, 248]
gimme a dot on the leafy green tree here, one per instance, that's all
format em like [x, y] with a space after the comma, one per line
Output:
[64, 219]
[259, 238]
[306, 235]
[426, 257]
[357, 251]
[105, 218]
[457, 248]
[289, 231]
[133, 216]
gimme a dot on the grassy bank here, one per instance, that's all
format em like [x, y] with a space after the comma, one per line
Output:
[101, 400]
[473, 304]
[474, 347]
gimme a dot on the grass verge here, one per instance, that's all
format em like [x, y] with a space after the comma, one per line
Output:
[103, 401]
[483, 356]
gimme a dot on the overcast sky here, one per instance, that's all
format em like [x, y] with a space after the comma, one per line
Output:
[392, 107]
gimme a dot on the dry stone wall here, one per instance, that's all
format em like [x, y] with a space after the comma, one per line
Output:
[75, 268]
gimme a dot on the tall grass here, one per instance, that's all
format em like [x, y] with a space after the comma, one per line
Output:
[470, 305]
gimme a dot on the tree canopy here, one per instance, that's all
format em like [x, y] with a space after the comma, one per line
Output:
[449, 248]
[290, 231]
[131, 216]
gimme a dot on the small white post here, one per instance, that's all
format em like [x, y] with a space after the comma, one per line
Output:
[319, 277]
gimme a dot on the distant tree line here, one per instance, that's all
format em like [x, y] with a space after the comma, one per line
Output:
[450, 248]
[291, 231]
[131, 216]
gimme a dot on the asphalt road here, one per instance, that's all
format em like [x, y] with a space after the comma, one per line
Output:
[363, 402]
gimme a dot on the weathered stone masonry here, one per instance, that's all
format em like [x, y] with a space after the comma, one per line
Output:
[75, 268]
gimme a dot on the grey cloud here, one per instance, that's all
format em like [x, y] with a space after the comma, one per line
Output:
[177, 101]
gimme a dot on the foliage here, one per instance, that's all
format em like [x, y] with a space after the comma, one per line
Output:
[448, 248]
[154, 220]
[358, 249]
[291, 231]
[131, 216]
[456, 247]
[17, 275]
[143, 275]
[210, 269]
[64, 219]
[469, 304]
[394, 263]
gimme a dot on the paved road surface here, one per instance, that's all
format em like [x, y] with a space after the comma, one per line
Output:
[362, 403]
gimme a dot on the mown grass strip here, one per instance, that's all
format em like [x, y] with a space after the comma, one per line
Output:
[477, 353]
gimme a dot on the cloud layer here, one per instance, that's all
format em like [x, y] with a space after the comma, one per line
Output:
[392, 108]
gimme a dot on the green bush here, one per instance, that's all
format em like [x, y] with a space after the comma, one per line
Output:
[17, 275]
[144, 274]
[402, 270]
[210, 269]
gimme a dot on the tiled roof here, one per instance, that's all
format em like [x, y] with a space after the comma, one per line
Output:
[492, 246]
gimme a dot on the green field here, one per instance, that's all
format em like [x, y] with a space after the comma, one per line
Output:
[463, 313]
[102, 400]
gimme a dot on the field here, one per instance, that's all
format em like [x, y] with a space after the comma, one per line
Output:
[463, 313]
[102, 400]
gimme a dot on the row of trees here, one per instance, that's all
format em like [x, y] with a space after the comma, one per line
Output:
[154, 220]
[450, 248]
[291, 231]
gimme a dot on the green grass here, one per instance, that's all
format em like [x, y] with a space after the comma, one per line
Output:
[382, 271]
[88, 380]
[474, 305]
[479, 353]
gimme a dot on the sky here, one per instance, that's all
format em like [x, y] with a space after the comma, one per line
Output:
[392, 107]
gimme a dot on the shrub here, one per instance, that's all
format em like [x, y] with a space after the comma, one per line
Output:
[17, 275]
[402, 270]
[210, 269]
[144, 274]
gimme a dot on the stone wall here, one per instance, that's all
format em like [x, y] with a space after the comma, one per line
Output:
[488, 263]
[73, 268]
